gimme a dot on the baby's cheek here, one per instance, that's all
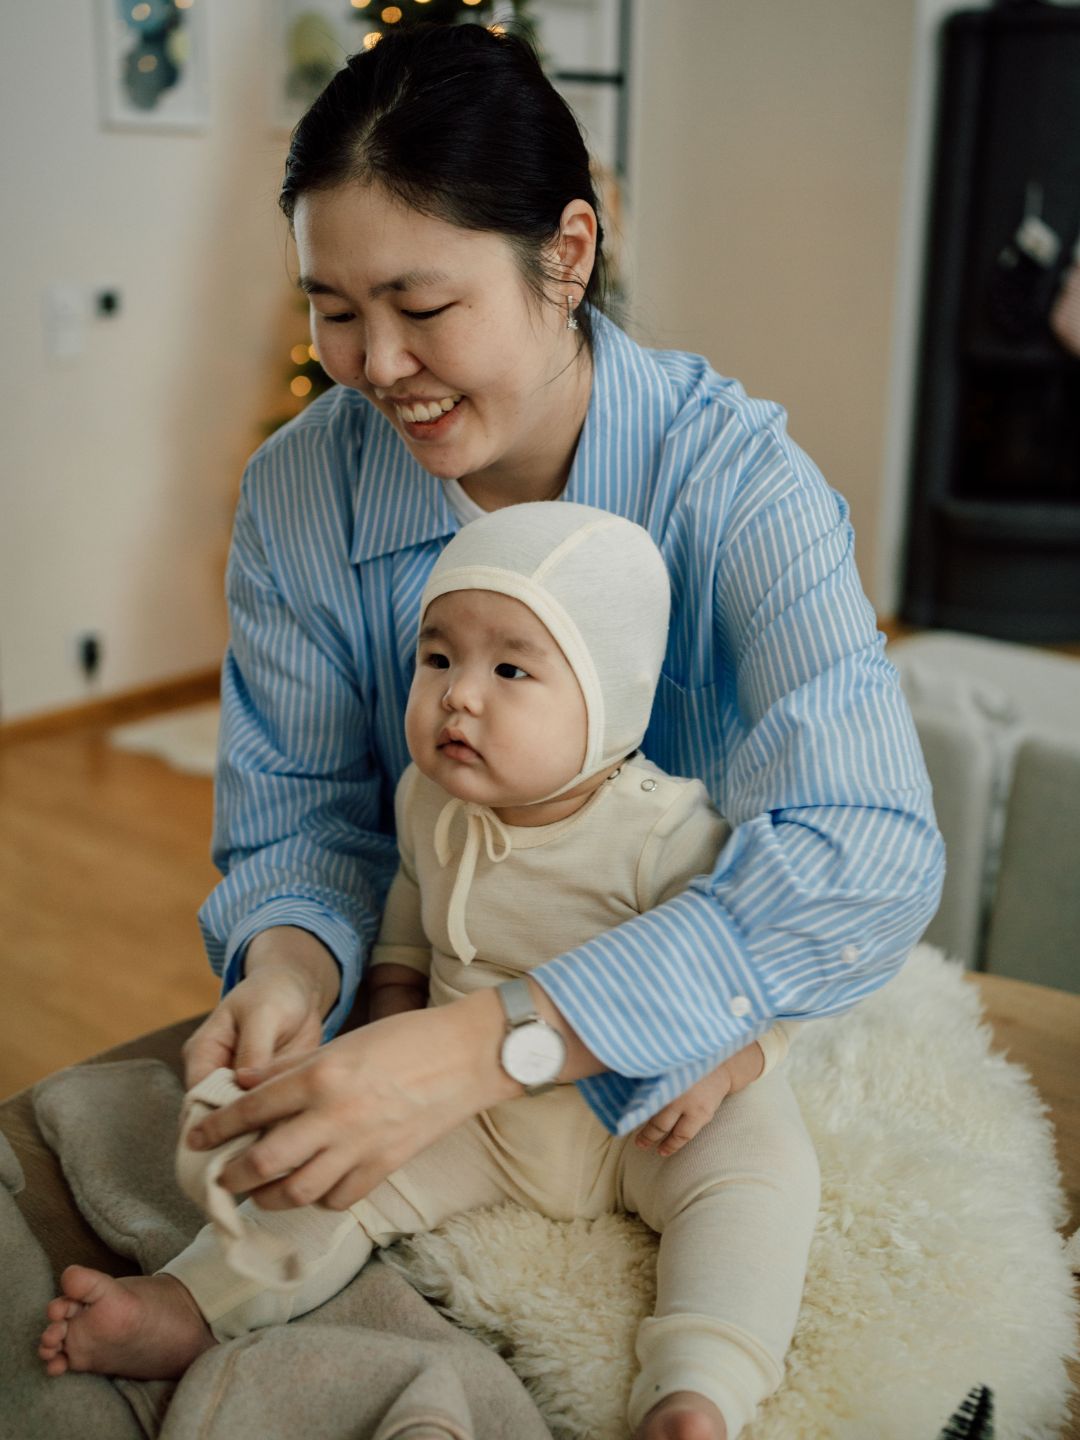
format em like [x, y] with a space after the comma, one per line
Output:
[413, 726]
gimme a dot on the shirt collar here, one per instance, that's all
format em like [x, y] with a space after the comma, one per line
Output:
[616, 450]
[398, 504]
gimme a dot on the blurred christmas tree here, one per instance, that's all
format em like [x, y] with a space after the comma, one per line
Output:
[305, 378]
[379, 17]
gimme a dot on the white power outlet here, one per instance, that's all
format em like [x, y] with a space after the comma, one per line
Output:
[66, 310]
[69, 308]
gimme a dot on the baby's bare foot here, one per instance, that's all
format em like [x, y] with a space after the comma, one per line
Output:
[146, 1327]
[683, 1415]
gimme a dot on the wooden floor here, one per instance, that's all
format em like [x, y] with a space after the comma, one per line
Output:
[104, 861]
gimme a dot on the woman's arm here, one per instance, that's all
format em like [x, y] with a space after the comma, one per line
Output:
[342, 1119]
[296, 833]
[834, 866]
[290, 984]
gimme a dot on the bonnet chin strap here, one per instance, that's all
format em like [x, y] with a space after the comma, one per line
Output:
[483, 825]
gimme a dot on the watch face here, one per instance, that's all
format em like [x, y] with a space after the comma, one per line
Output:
[533, 1054]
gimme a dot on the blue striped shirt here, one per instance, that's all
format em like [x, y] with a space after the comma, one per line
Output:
[775, 692]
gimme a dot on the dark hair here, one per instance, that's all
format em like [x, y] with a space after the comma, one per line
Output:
[460, 123]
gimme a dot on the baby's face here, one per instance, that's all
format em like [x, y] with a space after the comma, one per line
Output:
[495, 713]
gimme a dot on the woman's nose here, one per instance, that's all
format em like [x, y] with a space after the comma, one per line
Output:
[386, 360]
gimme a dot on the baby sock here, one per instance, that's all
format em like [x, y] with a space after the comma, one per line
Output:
[267, 1254]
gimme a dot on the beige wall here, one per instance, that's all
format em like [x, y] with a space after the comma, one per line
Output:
[118, 470]
[770, 229]
[768, 172]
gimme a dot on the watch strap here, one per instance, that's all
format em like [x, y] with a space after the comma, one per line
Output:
[519, 1008]
[517, 1002]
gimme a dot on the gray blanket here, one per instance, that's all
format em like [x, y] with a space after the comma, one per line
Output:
[377, 1362]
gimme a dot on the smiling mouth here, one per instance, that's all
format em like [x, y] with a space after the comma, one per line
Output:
[427, 413]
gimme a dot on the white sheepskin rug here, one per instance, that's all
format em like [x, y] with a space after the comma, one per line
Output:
[936, 1263]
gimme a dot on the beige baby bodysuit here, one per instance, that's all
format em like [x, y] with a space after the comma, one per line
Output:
[539, 891]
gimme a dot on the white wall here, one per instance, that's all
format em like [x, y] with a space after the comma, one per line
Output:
[779, 169]
[768, 169]
[118, 470]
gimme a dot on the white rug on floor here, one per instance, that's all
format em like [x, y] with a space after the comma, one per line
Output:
[936, 1264]
[184, 739]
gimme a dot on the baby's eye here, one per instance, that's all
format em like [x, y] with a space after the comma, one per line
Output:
[506, 671]
[437, 661]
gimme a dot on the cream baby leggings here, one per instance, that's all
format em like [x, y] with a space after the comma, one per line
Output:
[734, 1209]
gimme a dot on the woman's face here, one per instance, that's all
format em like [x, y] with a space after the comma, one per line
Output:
[436, 326]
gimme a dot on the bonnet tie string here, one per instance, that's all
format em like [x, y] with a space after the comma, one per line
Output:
[481, 825]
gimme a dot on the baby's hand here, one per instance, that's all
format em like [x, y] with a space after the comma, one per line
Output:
[394, 990]
[683, 1118]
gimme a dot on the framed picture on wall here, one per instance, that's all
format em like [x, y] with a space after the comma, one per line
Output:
[153, 64]
[310, 40]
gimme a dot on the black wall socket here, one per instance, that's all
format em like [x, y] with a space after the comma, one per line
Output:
[89, 653]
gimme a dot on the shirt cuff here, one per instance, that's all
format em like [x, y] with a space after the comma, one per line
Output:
[660, 1000]
[667, 988]
[338, 937]
[621, 1104]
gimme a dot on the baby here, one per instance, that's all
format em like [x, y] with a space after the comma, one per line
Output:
[528, 823]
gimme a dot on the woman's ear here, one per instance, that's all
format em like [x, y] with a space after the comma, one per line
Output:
[575, 248]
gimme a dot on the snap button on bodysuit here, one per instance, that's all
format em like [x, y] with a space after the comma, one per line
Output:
[648, 784]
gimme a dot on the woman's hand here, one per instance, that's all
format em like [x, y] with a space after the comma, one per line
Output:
[274, 1013]
[672, 1127]
[341, 1120]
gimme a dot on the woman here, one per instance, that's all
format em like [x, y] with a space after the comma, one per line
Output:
[448, 240]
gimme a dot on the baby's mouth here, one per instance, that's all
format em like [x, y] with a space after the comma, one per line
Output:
[454, 744]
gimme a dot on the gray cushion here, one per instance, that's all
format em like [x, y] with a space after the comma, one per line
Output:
[1034, 929]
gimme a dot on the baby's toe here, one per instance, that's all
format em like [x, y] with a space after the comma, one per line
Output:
[52, 1337]
[80, 1283]
[62, 1308]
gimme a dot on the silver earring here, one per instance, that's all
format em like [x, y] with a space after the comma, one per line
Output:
[571, 318]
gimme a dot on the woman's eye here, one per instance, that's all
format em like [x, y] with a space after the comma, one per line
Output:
[506, 671]
[437, 661]
[425, 314]
[336, 319]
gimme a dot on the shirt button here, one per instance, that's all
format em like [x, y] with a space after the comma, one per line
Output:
[739, 1006]
[849, 954]
[648, 784]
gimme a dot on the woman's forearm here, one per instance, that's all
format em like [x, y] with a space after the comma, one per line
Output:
[301, 953]
[484, 1025]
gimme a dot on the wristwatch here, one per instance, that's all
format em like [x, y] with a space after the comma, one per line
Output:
[533, 1052]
